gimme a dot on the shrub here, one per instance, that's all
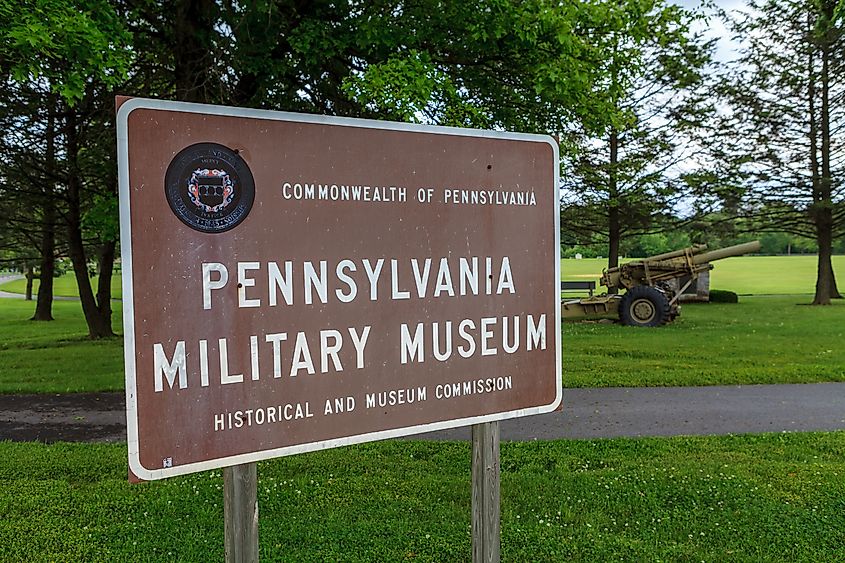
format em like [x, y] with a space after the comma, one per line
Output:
[723, 296]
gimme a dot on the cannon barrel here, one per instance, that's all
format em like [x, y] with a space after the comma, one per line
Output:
[671, 265]
[695, 249]
[727, 252]
[692, 250]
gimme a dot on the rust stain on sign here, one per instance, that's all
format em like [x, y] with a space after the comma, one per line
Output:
[296, 282]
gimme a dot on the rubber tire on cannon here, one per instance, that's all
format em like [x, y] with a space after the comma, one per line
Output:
[643, 305]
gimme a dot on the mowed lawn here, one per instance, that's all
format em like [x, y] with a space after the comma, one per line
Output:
[56, 356]
[763, 339]
[774, 497]
[769, 338]
[746, 275]
[771, 497]
[63, 286]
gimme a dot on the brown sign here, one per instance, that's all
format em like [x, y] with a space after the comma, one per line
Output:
[296, 282]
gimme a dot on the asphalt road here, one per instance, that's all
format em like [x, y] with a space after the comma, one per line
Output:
[678, 411]
[587, 413]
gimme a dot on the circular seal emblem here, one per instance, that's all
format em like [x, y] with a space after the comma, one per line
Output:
[209, 187]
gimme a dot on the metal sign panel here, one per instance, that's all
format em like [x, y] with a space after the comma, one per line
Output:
[295, 282]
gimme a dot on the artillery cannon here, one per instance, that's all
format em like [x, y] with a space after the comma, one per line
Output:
[652, 285]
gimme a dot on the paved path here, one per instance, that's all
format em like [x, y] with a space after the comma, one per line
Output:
[6, 294]
[587, 413]
[77, 417]
[675, 411]
[9, 295]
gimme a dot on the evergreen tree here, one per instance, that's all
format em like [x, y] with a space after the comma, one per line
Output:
[785, 126]
[630, 177]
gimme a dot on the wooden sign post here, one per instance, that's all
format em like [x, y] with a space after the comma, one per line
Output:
[240, 513]
[486, 537]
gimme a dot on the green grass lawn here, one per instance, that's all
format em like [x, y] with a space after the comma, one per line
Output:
[737, 498]
[64, 285]
[733, 498]
[56, 357]
[764, 339]
[761, 275]
[746, 275]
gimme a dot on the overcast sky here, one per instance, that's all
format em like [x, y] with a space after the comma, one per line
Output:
[715, 28]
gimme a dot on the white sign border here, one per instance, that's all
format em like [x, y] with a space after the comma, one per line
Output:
[128, 294]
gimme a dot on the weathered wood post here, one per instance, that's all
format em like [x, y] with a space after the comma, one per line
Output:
[485, 493]
[240, 510]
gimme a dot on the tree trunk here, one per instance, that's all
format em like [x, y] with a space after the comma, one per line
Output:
[826, 281]
[106, 267]
[614, 228]
[29, 275]
[834, 290]
[44, 306]
[192, 50]
[98, 326]
[824, 275]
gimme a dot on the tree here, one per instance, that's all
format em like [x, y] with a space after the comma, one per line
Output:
[630, 177]
[532, 66]
[536, 66]
[69, 47]
[787, 117]
[65, 42]
[28, 167]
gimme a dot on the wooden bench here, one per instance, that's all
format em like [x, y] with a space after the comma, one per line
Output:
[589, 286]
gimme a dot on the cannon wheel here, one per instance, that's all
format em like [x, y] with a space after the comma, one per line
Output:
[643, 305]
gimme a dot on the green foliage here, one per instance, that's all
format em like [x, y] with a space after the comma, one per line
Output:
[585, 250]
[407, 87]
[723, 229]
[704, 232]
[771, 497]
[103, 218]
[65, 42]
[839, 13]
[653, 244]
[529, 66]
[631, 174]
